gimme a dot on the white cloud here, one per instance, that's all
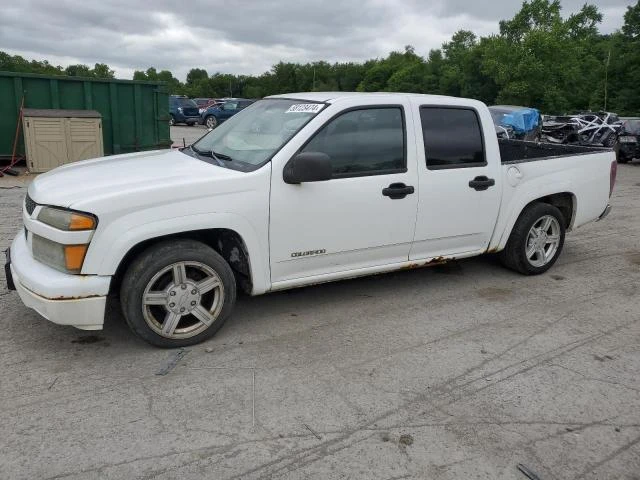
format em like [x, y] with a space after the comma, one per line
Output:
[246, 36]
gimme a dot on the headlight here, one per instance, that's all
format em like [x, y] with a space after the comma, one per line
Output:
[67, 219]
[66, 258]
[180, 109]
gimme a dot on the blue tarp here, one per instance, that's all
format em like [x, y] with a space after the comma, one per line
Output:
[522, 121]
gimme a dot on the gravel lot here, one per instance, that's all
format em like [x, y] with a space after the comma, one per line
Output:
[455, 372]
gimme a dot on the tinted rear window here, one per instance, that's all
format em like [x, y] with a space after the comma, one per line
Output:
[184, 102]
[452, 137]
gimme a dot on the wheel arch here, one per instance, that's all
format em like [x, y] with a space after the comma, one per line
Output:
[227, 242]
[565, 201]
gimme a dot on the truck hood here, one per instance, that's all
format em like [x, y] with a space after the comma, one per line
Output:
[88, 181]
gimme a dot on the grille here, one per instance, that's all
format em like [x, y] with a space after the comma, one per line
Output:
[29, 204]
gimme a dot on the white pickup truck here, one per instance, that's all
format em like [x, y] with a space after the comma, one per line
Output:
[294, 190]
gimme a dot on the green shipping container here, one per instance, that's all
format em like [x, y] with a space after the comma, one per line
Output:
[135, 115]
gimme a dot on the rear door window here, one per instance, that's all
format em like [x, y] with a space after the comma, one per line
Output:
[452, 138]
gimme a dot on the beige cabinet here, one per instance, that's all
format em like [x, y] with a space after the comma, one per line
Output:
[55, 137]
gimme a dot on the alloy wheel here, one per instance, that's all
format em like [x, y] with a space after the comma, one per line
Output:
[543, 241]
[182, 300]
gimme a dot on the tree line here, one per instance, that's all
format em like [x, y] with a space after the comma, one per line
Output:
[538, 59]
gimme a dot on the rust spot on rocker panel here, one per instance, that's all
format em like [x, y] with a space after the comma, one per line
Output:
[428, 263]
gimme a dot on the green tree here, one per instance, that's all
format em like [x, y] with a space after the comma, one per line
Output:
[538, 58]
[78, 71]
[102, 70]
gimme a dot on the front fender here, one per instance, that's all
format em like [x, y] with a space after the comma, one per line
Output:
[112, 244]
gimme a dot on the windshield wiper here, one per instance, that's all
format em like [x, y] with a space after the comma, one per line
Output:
[221, 155]
[218, 157]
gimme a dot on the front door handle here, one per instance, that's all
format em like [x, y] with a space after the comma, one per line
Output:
[481, 183]
[396, 191]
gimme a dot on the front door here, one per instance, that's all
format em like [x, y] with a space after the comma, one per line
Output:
[459, 183]
[365, 215]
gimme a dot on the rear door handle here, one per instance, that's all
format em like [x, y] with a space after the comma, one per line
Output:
[396, 191]
[481, 183]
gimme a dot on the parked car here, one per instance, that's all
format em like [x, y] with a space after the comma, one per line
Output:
[183, 110]
[629, 140]
[299, 189]
[216, 114]
[204, 103]
[583, 128]
[201, 102]
[521, 123]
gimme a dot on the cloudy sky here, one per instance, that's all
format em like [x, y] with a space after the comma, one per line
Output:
[246, 36]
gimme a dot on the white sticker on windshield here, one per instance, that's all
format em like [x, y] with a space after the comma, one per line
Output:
[305, 108]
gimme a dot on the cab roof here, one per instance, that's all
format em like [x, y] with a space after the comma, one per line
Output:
[330, 97]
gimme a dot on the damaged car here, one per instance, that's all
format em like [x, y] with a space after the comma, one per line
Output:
[587, 128]
[629, 140]
[512, 122]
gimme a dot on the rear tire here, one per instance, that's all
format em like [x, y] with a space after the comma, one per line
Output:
[536, 240]
[177, 293]
[172, 120]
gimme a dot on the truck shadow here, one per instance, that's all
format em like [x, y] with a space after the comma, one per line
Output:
[305, 302]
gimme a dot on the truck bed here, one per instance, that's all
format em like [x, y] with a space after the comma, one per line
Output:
[519, 151]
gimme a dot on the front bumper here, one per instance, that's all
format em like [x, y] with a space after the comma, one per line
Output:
[77, 300]
[629, 150]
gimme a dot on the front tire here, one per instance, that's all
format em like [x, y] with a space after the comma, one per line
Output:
[177, 293]
[536, 240]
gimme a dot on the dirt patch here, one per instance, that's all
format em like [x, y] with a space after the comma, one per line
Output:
[558, 277]
[634, 258]
[494, 293]
[87, 339]
[405, 439]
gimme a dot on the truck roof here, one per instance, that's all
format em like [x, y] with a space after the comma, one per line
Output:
[332, 96]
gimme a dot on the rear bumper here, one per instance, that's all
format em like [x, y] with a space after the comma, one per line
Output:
[182, 118]
[76, 300]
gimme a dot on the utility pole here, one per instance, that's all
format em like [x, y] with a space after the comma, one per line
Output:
[606, 80]
[230, 90]
[314, 79]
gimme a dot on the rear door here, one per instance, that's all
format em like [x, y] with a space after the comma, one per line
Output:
[459, 178]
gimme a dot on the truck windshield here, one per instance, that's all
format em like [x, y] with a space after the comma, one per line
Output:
[256, 133]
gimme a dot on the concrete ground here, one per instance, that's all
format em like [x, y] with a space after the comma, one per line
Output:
[188, 134]
[460, 371]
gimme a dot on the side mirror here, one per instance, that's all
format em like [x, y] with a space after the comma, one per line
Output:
[308, 167]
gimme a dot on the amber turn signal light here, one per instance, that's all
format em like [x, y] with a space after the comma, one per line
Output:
[81, 222]
[74, 257]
